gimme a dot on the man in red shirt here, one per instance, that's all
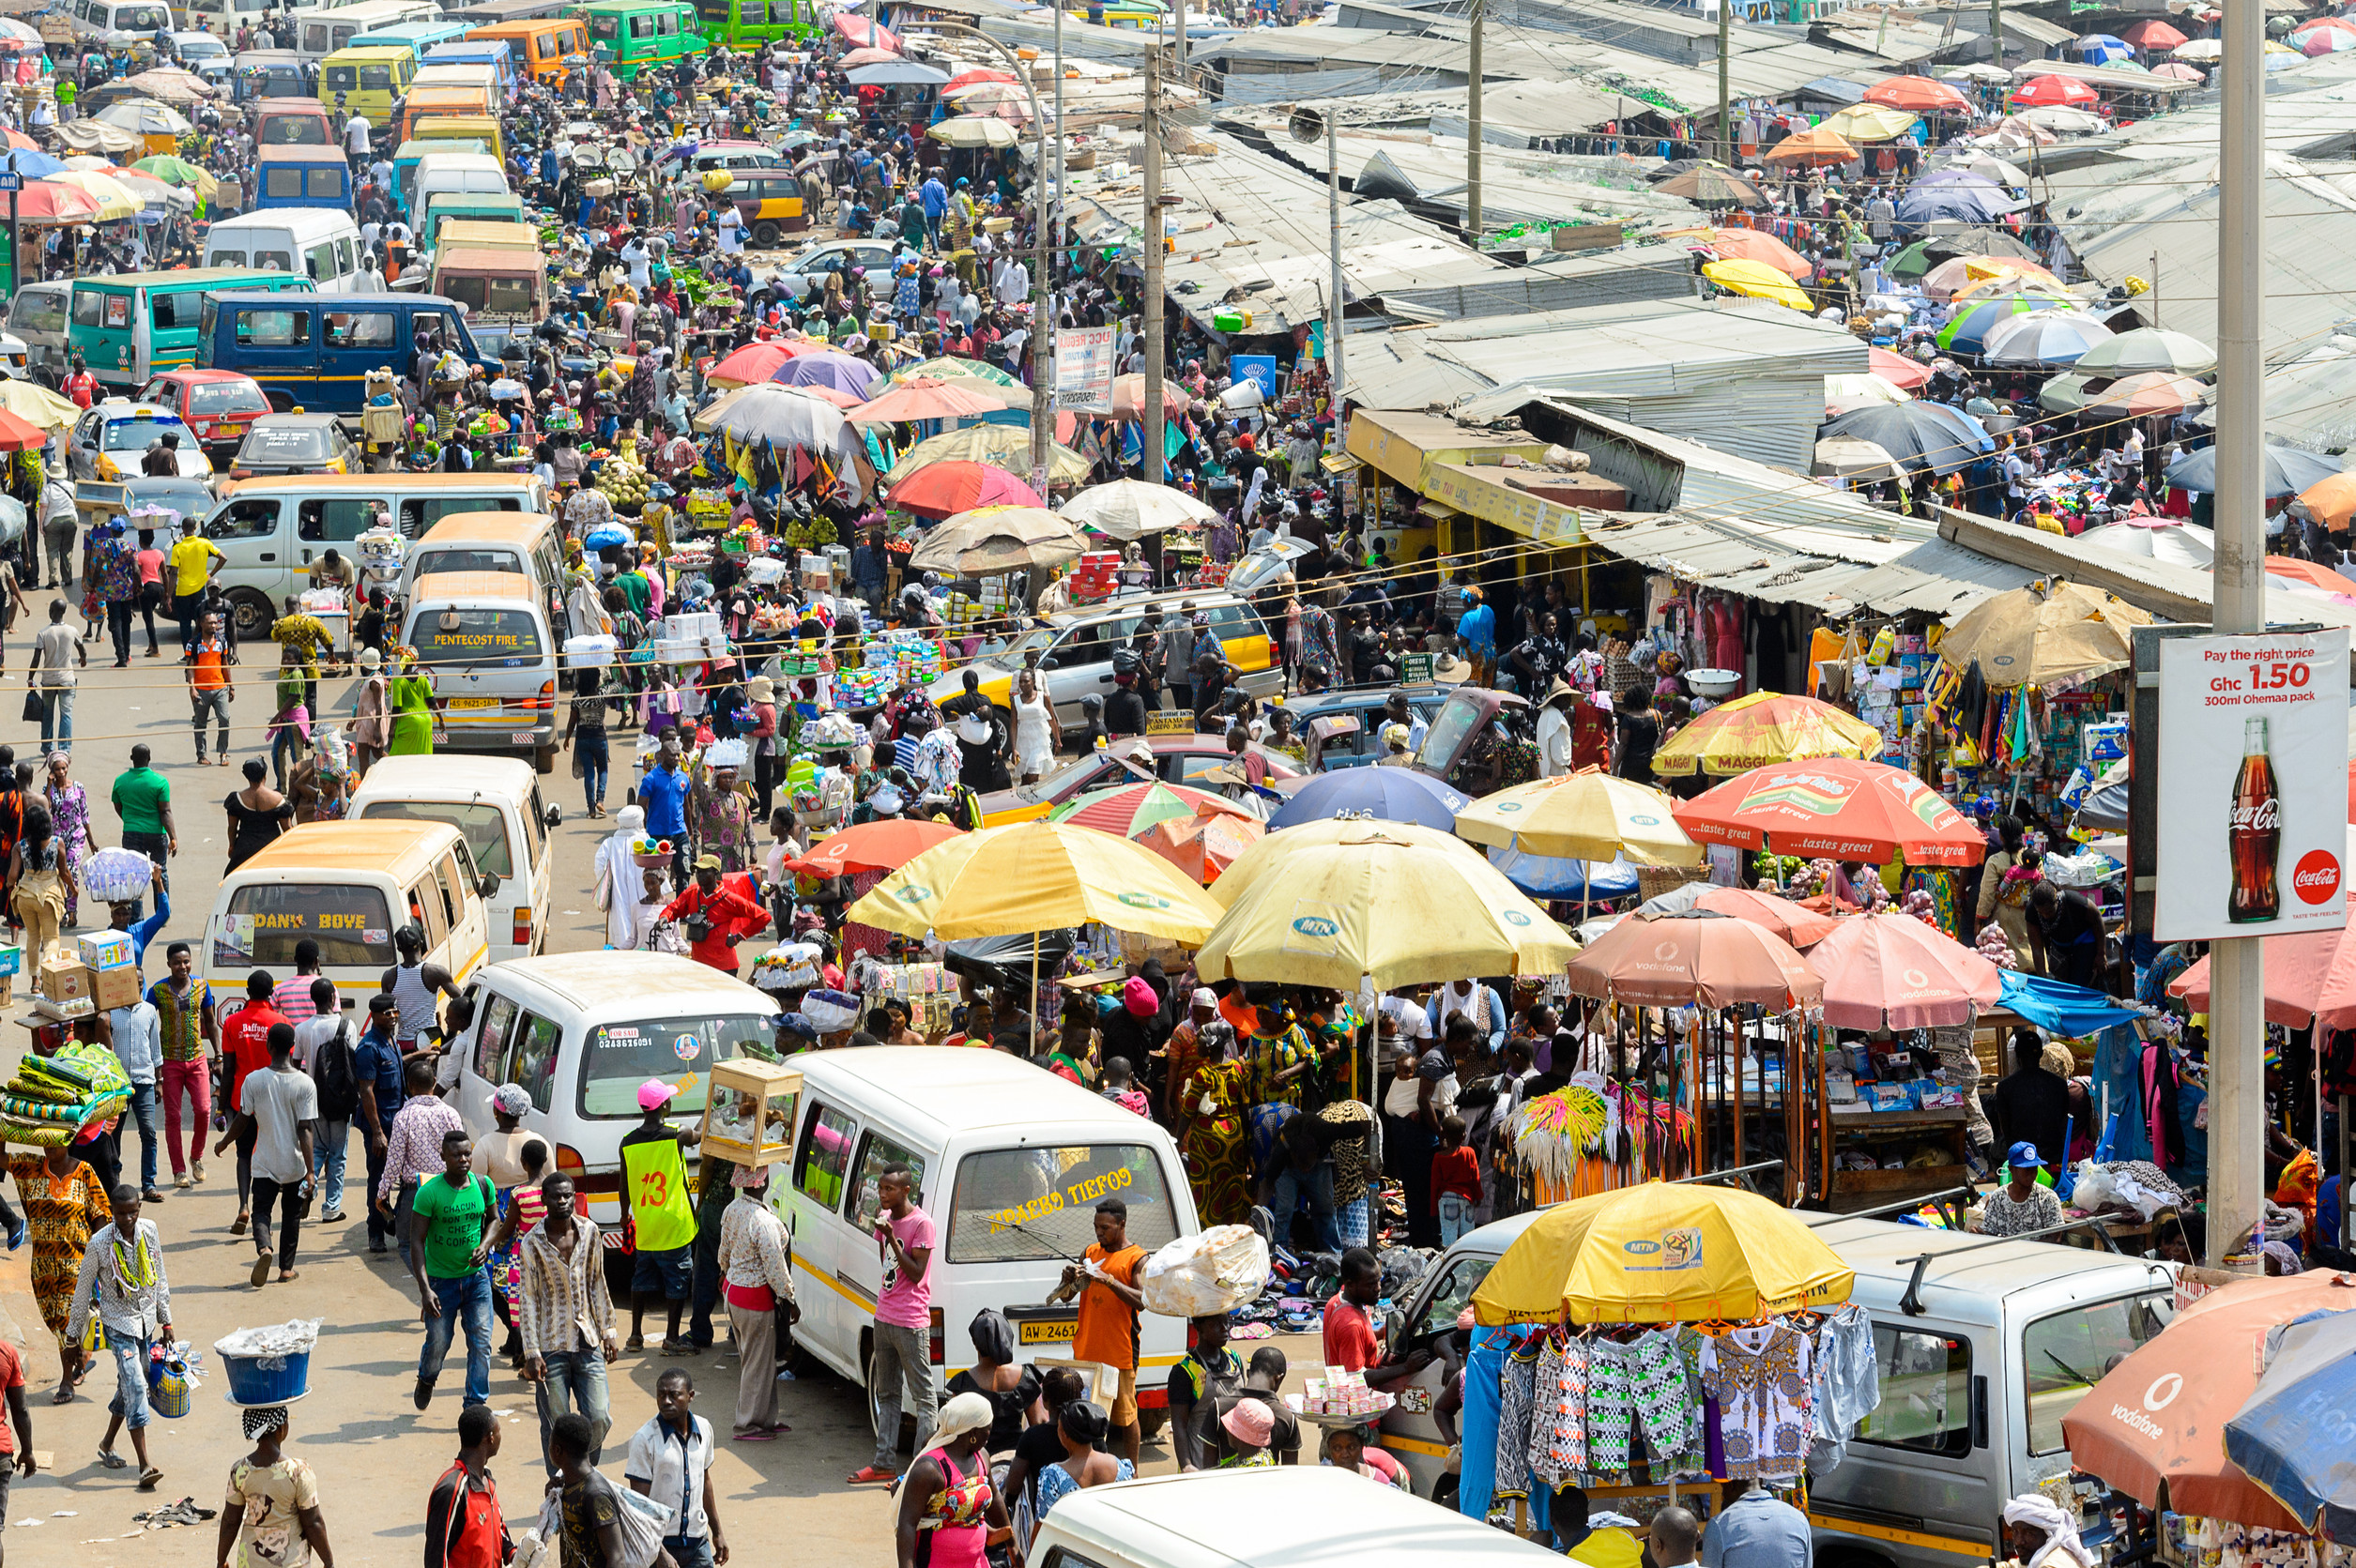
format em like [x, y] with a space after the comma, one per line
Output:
[16, 1451]
[245, 1048]
[1350, 1342]
[727, 917]
[462, 1527]
[81, 385]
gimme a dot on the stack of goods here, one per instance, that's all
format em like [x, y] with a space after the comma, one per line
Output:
[707, 508]
[624, 484]
[804, 656]
[1995, 948]
[1340, 1393]
[1886, 685]
[1218, 1272]
[691, 638]
[379, 551]
[793, 967]
[1096, 575]
[865, 686]
[117, 875]
[928, 989]
[651, 853]
[962, 613]
[921, 662]
[810, 533]
[687, 559]
[51, 1098]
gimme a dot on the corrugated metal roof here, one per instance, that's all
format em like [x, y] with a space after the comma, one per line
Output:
[1619, 277]
[2115, 77]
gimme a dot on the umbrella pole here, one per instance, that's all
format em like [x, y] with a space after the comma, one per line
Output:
[1034, 1009]
[1736, 1066]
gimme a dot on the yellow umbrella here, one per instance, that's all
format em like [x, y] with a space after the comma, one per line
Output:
[1375, 904]
[1869, 122]
[1270, 853]
[36, 404]
[1038, 877]
[1757, 279]
[1008, 446]
[1762, 728]
[1661, 1253]
[114, 199]
[1587, 816]
[2044, 634]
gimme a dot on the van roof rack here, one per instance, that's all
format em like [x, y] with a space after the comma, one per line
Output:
[1911, 1303]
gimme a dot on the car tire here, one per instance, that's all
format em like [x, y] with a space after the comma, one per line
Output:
[1149, 1423]
[281, 402]
[544, 760]
[765, 236]
[253, 612]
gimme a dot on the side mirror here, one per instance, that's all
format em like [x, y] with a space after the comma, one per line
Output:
[556, 817]
[488, 884]
[1048, 664]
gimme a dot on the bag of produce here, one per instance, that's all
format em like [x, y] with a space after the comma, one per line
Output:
[1224, 1268]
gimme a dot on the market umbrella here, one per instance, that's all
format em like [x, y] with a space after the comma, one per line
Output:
[2289, 568]
[1845, 457]
[897, 73]
[977, 74]
[2063, 118]
[94, 135]
[1585, 815]
[180, 172]
[2157, 1419]
[1870, 122]
[1919, 435]
[170, 83]
[1918, 93]
[2042, 338]
[2149, 348]
[885, 844]
[1756, 280]
[17, 436]
[1967, 198]
[752, 364]
[2055, 91]
[1708, 185]
[36, 404]
[778, 415]
[1126, 811]
[2286, 470]
[860, 30]
[1796, 924]
[1815, 146]
[154, 192]
[2318, 38]
[43, 201]
[1897, 972]
[2101, 48]
[924, 398]
[1763, 727]
[1036, 876]
[1987, 165]
[991, 443]
[940, 489]
[2331, 501]
[2044, 636]
[1374, 903]
[1267, 858]
[2152, 34]
[2177, 71]
[1836, 808]
[2205, 50]
[145, 117]
[1845, 392]
[1897, 369]
[845, 373]
[1695, 958]
[1661, 1253]
[1988, 276]
[949, 367]
[1129, 398]
[1131, 509]
[868, 55]
[1386, 794]
[2144, 394]
[989, 541]
[2290, 1437]
[1204, 846]
[112, 200]
[1756, 245]
[1967, 331]
[2179, 544]
[974, 130]
[2310, 978]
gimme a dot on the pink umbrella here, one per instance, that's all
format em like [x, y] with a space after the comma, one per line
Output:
[1896, 972]
[1796, 924]
[859, 30]
[1897, 369]
[1129, 398]
[2179, 70]
[1693, 959]
[870, 56]
[2310, 978]
[2320, 39]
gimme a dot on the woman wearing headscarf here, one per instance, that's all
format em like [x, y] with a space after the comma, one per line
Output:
[949, 1513]
[757, 1281]
[1011, 1387]
[271, 1518]
[617, 879]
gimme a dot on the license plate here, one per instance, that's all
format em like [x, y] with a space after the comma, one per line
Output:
[228, 433]
[473, 705]
[1050, 1330]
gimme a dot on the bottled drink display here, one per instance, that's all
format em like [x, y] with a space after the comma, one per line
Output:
[2256, 836]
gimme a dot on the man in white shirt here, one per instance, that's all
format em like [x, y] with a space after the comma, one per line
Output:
[731, 225]
[1554, 731]
[670, 1461]
[356, 141]
[634, 257]
[1011, 281]
[1400, 1024]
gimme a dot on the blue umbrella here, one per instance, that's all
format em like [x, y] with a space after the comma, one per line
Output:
[2291, 1437]
[2095, 48]
[1957, 195]
[2288, 470]
[1916, 436]
[1389, 794]
[1576, 881]
[34, 164]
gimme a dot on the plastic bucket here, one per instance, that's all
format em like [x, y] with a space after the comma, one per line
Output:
[266, 1380]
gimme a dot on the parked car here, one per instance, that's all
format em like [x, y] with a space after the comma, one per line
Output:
[1360, 747]
[1177, 759]
[109, 442]
[218, 405]
[296, 444]
[806, 273]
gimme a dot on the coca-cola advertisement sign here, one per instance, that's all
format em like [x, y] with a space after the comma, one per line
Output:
[2253, 803]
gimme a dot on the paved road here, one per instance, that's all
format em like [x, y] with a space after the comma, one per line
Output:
[377, 1456]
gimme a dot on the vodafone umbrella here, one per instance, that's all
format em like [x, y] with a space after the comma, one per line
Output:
[1695, 958]
[1796, 924]
[1896, 972]
[2158, 1417]
[1836, 807]
[2054, 91]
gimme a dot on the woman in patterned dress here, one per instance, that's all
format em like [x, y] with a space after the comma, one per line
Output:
[719, 822]
[70, 816]
[1211, 1139]
[65, 1205]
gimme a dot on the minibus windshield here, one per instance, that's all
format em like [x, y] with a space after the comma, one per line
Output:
[1019, 1204]
[679, 1051]
[267, 919]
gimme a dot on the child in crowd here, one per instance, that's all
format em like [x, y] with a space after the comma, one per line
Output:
[1454, 1182]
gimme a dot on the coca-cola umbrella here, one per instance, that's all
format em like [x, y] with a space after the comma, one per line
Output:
[1838, 808]
[1695, 959]
[1897, 972]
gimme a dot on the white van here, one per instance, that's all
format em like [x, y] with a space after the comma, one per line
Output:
[40, 315]
[321, 240]
[320, 33]
[95, 18]
[528, 542]
[496, 802]
[493, 650]
[476, 172]
[580, 1031]
[1011, 1162]
[348, 886]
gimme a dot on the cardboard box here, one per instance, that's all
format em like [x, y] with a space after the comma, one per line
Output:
[104, 949]
[117, 986]
[11, 959]
[65, 980]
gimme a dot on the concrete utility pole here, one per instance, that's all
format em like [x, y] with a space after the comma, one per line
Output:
[1725, 119]
[1473, 129]
[2237, 1024]
[1996, 33]
[1152, 436]
[1333, 240]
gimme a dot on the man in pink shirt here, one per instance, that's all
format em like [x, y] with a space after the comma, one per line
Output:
[903, 1331]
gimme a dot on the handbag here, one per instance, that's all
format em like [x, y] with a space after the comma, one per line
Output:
[35, 706]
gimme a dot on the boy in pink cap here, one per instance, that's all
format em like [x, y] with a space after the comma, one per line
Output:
[662, 1214]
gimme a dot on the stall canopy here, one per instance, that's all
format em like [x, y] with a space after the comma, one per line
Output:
[2059, 1008]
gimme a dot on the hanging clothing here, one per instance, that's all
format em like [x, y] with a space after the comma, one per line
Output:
[1762, 1377]
[1848, 1383]
[1516, 1404]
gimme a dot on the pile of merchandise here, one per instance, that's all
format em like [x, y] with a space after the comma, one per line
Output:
[51, 1098]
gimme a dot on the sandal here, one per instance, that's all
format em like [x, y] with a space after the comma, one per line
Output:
[113, 1460]
[261, 1270]
[758, 1435]
[287, 1274]
[148, 1477]
[64, 1395]
[635, 1342]
[237, 1227]
[679, 1346]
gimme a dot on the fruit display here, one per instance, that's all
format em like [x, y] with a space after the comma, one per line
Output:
[810, 533]
[626, 484]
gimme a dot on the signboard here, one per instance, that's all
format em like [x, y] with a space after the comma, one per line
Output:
[1415, 669]
[11, 181]
[1260, 369]
[2253, 784]
[1180, 722]
[1083, 368]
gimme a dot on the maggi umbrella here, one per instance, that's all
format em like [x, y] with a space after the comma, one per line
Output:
[1897, 972]
[2158, 1418]
[2056, 91]
[1836, 808]
[2042, 634]
[1694, 958]
[1661, 1253]
[1587, 816]
[1036, 876]
[1763, 727]
[884, 844]
[1756, 280]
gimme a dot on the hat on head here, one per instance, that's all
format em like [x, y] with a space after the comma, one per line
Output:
[761, 689]
[1140, 998]
[371, 661]
[1251, 1422]
[512, 1099]
[2023, 1157]
[653, 1092]
[707, 862]
[1204, 997]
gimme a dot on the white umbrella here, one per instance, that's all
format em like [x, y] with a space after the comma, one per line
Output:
[974, 130]
[157, 192]
[2042, 338]
[2149, 348]
[2058, 117]
[1849, 457]
[1845, 392]
[145, 117]
[1992, 167]
[1131, 509]
[2175, 543]
[1976, 73]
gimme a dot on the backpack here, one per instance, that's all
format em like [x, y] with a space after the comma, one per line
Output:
[335, 1070]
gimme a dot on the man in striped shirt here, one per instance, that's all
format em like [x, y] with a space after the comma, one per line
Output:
[566, 1317]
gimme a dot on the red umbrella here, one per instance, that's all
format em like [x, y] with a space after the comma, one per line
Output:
[2051, 90]
[2308, 973]
[939, 489]
[1834, 807]
[859, 30]
[968, 78]
[1695, 959]
[1896, 972]
[882, 845]
[2153, 34]
[2310, 574]
[19, 435]
[1798, 926]
[754, 363]
[1920, 94]
[2158, 1418]
[17, 140]
[1897, 369]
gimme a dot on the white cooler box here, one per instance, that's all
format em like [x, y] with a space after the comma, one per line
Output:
[702, 625]
[595, 651]
[678, 651]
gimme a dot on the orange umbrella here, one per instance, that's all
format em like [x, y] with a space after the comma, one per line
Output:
[1836, 807]
[1204, 845]
[1800, 927]
[1918, 93]
[2307, 973]
[868, 57]
[1129, 398]
[1693, 959]
[2307, 571]
[886, 844]
[2153, 34]
[968, 78]
[1813, 146]
[2330, 502]
[1896, 972]
[18, 435]
[926, 397]
[1764, 249]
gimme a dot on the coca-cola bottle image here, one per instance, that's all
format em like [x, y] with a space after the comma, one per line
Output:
[2256, 836]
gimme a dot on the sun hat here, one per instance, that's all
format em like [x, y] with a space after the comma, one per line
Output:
[1251, 1422]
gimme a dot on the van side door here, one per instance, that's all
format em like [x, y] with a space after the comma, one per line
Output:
[485, 1066]
[811, 1206]
[353, 342]
[469, 925]
[252, 535]
[1923, 1463]
[273, 344]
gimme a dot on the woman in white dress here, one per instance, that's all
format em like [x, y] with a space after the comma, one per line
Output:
[1035, 735]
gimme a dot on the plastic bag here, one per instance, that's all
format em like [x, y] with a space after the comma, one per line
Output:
[115, 875]
[1224, 1268]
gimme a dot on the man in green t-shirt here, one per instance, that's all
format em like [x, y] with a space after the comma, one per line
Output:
[453, 1212]
[143, 798]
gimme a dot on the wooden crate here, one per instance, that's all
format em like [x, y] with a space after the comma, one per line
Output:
[749, 1114]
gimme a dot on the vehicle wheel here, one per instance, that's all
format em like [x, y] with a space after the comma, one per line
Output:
[253, 612]
[1149, 1423]
[544, 760]
[765, 236]
[281, 402]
